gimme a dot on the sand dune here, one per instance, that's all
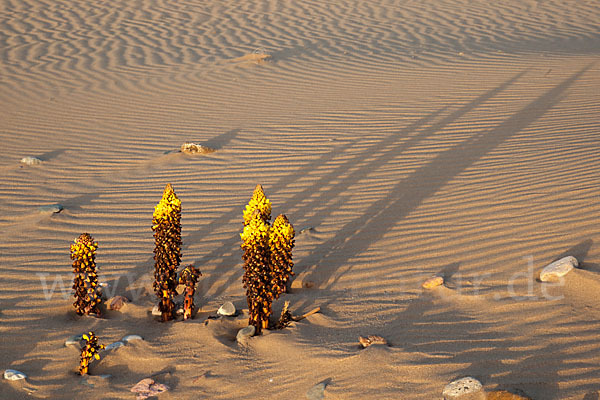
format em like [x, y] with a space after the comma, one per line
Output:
[404, 139]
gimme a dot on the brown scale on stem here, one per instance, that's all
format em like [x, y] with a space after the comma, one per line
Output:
[189, 277]
[166, 224]
[85, 283]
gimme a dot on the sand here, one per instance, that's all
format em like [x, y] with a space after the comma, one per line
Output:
[404, 139]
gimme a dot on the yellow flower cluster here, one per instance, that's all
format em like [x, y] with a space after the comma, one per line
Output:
[267, 258]
[166, 224]
[85, 283]
[168, 208]
[258, 202]
[89, 352]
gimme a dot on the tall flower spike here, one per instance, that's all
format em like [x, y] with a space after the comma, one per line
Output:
[166, 224]
[257, 274]
[85, 282]
[258, 202]
[281, 243]
[89, 352]
[188, 277]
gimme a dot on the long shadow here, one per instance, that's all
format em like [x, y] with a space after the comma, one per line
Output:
[387, 149]
[356, 236]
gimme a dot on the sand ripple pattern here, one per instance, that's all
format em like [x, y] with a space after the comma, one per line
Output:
[57, 43]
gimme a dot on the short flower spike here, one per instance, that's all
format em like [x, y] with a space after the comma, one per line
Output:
[89, 352]
[188, 277]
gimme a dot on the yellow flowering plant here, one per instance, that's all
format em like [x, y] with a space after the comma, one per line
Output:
[166, 224]
[267, 256]
[85, 282]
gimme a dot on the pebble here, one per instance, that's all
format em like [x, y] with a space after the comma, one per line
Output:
[432, 282]
[155, 311]
[227, 309]
[467, 388]
[504, 395]
[74, 340]
[130, 338]
[31, 161]
[316, 392]
[558, 268]
[52, 208]
[118, 302]
[114, 345]
[370, 340]
[193, 148]
[302, 284]
[14, 375]
[147, 388]
[245, 333]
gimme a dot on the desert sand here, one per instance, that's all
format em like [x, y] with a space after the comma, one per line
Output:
[403, 139]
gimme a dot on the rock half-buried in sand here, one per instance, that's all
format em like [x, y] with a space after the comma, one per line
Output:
[30, 161]
[193, 148]
[245, 333]
[467, 388]
[558, 268]
[432, 282]
[227, 309]
[14, 375]
[131, 338]
[371, 340]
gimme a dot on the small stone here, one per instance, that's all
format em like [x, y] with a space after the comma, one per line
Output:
[558, 268]
[147, 388]
[370, 340]
[114, 345]
[156, 312]
[245, 333]
[227, 309]
[316, 392]
[467, 388]
[118, 302]
[432, 282]
[302, 284]
[30, 161]
[52, 208]
[130, 338]
[74, 340]
[504, 395]
[193, 148]
[14, 375]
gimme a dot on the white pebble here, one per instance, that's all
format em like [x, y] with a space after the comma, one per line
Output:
[129, 338]
[464, 388]
[31, 161]
[114, 345]
[245, 333]
[14, 375]
[227, 309]
[558, 268]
